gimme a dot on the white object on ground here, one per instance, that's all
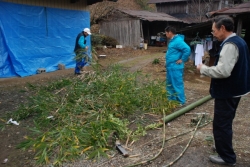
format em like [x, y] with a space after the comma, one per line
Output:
[13, 122]
[5, 160]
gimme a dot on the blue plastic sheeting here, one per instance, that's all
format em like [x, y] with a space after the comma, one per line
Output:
[33, 37]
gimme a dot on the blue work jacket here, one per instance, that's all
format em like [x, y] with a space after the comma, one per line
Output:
[177, 49]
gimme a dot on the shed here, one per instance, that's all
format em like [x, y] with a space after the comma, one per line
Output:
[128, 26]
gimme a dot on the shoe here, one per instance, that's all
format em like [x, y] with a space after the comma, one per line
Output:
[181, 105]
[78, 73]
[218, 160]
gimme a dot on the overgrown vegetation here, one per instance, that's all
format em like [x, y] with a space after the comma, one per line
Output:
[98, 40]
[82, 54]
[77, 117]
[109, 41]
[156, 61]
[144, 4]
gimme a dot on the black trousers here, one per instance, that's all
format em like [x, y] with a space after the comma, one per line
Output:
[224, 113]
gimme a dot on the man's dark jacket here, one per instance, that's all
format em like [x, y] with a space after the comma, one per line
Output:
[238, 83]
[77, 46]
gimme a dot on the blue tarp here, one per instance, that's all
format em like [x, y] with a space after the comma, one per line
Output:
[33, 37]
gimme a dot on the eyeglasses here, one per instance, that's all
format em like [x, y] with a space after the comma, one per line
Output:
[213, 31]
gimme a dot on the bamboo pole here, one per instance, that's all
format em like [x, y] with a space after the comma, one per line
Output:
[186, 109]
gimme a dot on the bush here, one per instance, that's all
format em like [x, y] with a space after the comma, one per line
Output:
[143, 4]
[97, 40]
[156, 61]
[109, 41]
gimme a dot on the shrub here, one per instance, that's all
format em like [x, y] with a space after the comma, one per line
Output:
[109, 41]
[143, 4]
[156, 61]
[97, 40]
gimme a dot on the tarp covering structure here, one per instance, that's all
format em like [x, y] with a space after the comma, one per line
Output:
[33, 37]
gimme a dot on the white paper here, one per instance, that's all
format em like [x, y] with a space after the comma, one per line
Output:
[13, 122]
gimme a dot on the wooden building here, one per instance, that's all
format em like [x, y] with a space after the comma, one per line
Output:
[193, 11]
[128, 26]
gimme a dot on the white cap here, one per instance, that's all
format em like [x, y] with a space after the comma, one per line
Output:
[87, 30]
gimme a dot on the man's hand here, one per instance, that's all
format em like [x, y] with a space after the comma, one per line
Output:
[199, 67]
[86, 47]
[179, 61]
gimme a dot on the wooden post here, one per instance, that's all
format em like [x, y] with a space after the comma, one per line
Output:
[239, 27]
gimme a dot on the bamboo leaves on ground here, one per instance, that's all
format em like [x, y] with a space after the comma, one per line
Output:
[75, 117]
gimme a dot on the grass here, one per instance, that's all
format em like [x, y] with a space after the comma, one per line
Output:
[76, 117]
[156, 61]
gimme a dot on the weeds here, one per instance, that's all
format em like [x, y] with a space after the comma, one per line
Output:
[156, 61]
[76, 117]
[143, 4]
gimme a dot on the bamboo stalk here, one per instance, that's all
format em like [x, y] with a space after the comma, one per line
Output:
[171, 163]
[163, 144]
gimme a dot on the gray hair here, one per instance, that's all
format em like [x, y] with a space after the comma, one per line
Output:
[225, 20]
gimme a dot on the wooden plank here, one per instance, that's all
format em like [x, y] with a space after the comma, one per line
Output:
[63, 4]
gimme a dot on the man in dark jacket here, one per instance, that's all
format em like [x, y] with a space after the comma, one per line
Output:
[230, 80]
[81, 49]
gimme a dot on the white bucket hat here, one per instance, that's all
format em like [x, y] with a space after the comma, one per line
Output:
[87, 30]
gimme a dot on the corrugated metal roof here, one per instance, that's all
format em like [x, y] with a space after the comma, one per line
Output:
[189, 18]
[151, 16]
[242, 8]
[163, 1]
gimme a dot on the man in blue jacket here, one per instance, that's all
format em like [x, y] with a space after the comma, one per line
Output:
[81, 49]
[177, 54]
[230, 81]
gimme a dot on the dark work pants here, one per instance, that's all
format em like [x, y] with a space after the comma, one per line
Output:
[79, 64]
[224, 113]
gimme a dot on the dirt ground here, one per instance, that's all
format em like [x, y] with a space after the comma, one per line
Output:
[196, 87]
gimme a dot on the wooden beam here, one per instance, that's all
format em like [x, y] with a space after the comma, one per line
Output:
[239, 27]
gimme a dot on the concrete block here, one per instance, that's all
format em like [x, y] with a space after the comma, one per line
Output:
[61, 66]
[119, 46]
[40, 70]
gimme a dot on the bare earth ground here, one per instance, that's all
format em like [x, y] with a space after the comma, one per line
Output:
[196, 87]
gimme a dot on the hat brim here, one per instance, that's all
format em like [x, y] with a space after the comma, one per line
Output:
[87, 32]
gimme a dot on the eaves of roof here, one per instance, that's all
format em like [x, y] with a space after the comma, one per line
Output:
[196, 26]
[239, 9]
[151, 16]
[163, 1]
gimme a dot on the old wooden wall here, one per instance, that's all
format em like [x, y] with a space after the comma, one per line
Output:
[63, 4]
[126, 32]
[186, 7]
[170, 8]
